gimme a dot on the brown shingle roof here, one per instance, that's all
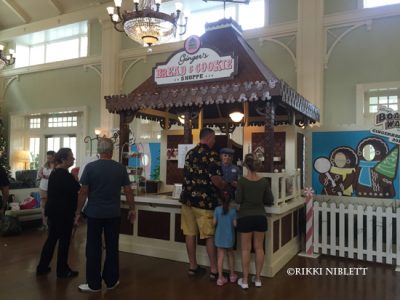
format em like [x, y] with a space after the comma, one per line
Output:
[254, 81]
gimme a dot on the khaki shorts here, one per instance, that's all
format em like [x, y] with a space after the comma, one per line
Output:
[196, 220]
[43, 197]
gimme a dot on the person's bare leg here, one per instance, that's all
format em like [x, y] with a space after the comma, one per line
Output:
[221, 254]
[259, 251]
[231, 262]
[191, 251]
[212, 254]
[245, 240]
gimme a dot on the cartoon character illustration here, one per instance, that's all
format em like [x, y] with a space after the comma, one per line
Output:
[330, 186]
[344, 163]
[338, 173]
[376, 169]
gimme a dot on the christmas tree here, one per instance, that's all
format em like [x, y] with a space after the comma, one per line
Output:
[3, 154]
[388, 166]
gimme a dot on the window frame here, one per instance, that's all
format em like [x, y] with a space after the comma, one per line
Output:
[361, 5]
[20, 133]
[378, 94]
[236, 7]
[363, 116]
[47, 42]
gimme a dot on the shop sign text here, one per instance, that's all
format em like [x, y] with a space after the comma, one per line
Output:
[206, 64]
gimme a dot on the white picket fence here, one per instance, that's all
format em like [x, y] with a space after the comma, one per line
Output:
[364, 232]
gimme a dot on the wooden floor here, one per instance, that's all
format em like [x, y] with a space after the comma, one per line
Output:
[150, 278]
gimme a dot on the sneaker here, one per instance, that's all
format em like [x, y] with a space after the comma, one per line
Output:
[86, 289]
[113, 286]
[257, 283]
[233, 278]
[244, 286]
[222, 281]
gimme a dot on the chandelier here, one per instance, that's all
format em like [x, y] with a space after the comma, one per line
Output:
[7, 60]
[145, 24]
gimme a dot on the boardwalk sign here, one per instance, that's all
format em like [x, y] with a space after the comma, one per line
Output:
[387, 124]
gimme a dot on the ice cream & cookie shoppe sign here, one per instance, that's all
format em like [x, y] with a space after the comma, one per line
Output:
[195, 63]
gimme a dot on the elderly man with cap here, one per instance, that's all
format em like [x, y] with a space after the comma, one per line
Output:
[230, 172]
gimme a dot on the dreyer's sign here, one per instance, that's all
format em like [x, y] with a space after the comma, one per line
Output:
[387, 124]
[203, 65]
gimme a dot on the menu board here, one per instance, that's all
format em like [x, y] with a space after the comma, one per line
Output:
[182, 150]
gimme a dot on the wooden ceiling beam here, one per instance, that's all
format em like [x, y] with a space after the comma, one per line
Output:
[17, 10]
[56, 4]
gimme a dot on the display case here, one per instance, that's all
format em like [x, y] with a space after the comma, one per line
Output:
[135, 171]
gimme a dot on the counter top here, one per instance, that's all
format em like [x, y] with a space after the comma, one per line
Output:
[154, 199]
[168, 200]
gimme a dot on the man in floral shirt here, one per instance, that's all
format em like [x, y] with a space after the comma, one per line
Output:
[200, 196]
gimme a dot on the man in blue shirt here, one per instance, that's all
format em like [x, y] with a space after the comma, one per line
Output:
[101, 184]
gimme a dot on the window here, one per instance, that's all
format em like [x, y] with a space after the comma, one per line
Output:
[252, 15]
[369, 96]
[249, 16]
[56, 44]
[382, 97]
[34, 150]
[34, 123]
[54, 143]
[63, 121]
[376, 3]
[38, 133]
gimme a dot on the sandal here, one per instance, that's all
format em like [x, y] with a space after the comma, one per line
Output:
[196, 272]
[222, 281]
[233, 278]
[213, 276]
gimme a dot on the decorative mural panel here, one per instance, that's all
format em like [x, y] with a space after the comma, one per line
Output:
[257, 146]
[174, 175]
[354, 164]
[150, 159]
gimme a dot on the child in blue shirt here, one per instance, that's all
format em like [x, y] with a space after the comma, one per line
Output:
[225, 221]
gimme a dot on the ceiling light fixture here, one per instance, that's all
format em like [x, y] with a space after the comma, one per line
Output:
[146, 24]
[181, 119]
[236, 116]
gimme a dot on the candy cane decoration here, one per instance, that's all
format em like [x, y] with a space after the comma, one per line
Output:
[309, 193]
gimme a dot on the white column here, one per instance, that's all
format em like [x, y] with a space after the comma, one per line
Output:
[310, 51]
[110, 73]
[2, 94]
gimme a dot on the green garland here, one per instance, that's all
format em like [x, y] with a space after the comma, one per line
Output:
[3, 155]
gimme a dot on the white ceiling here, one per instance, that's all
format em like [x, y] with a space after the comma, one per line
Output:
[20, 12]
